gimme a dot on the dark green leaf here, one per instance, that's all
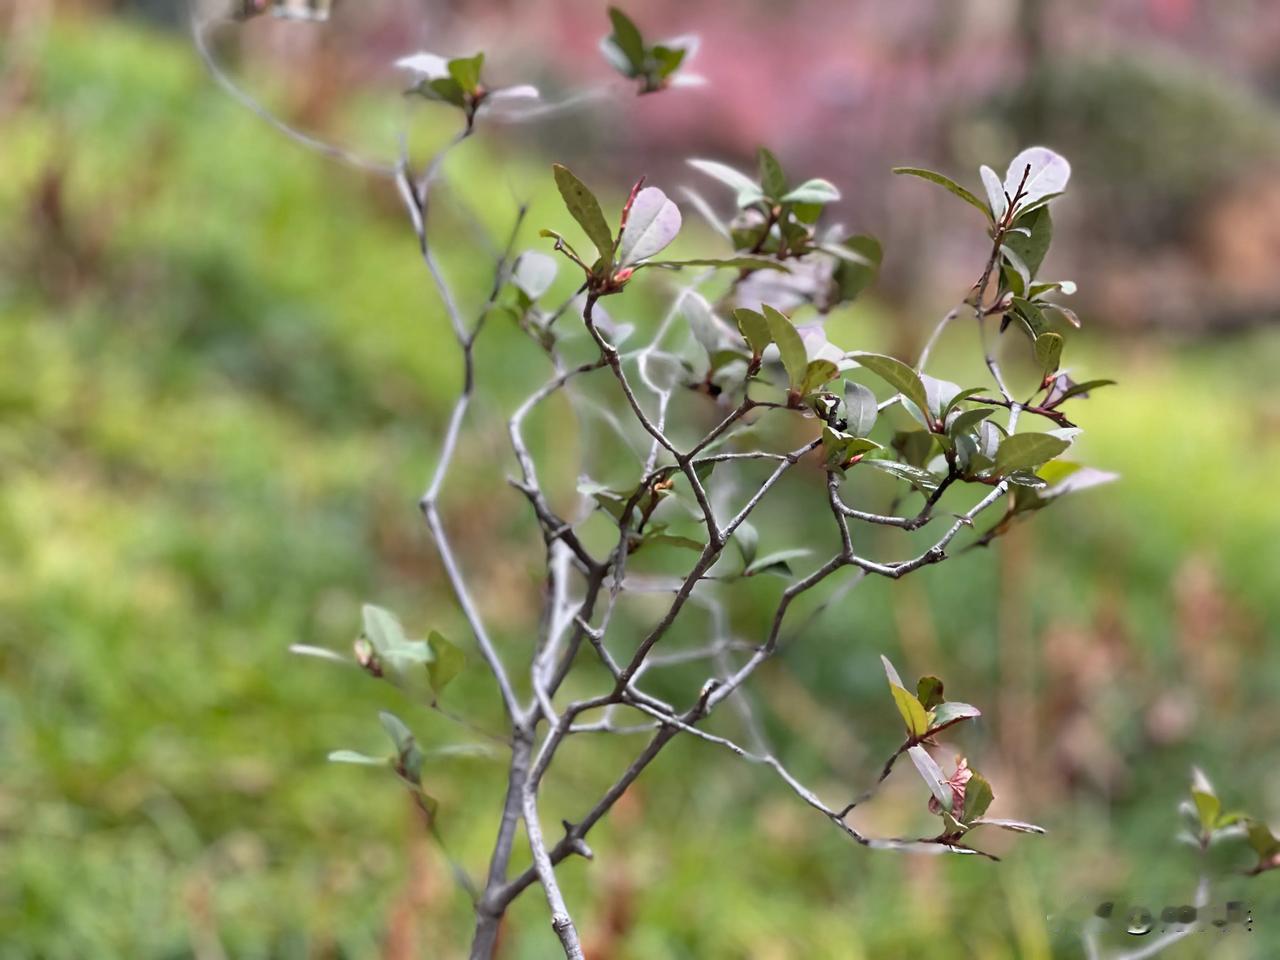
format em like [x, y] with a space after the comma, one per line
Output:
[1048, 348]
[755, 329]
[1031, 249]
[1031, 315]
[627, 38]
[854, 276]
[860, 407]
[840, 447]
[968, 419]
[1026, 450]
[1087, 387]
[977, 797]
[728, 263]
[446, 89]
[673, 540]
[947, 182]
[897, 374]
[790, 346]
[929, 692]
[585, 208]
[917, 477]
[959, 397]
[777, 563]
[668, 59]
[772, 179]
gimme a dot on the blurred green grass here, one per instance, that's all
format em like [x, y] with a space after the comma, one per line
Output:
[224, 375]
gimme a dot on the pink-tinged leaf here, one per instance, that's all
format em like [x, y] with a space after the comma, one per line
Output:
[1049, 174]
[652, 224]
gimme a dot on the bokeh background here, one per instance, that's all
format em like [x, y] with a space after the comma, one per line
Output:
[223, 376]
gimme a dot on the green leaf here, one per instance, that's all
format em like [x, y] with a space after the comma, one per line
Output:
[854, 276]
[755, 329]
[382, 629]
[728, 263]
[668, 59]
[920, 478]
[794, 358]
[1031, 315]
[466, 71]
[626, 36]
[860, 408]
[1026, 450]
[777, 563]
[663, 538]
[1066, 313]
[1262, 840]
[929, 692]
[351, 756]
[840, 447]
[898, 375]
[817, 374]
[446, 89]
[400, 734]
[913, 713]
[933, 776]
[1017, 826]
[748, 190]
[772, 179]
[959, 398]
[1208, 806]
[953, 711]
[1087, 387]
[1049, 352]
[948, 183]
[447, 663]
[1031, 249]
[585, 208]
[940, 395]
[816, 191]
[968, 419]
[977, 797]
[747, 539]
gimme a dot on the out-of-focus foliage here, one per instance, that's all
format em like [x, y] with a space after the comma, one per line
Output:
[218, 385]
[1158, 136]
